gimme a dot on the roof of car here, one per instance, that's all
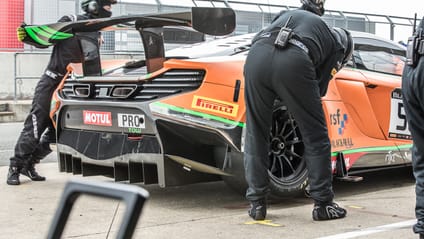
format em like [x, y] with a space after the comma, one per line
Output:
[231, 45]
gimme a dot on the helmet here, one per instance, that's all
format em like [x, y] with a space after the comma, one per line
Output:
[315, 6]
[95, 7]
[345, 39]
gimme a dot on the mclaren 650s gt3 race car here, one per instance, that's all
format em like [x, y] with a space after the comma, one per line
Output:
[179, 118]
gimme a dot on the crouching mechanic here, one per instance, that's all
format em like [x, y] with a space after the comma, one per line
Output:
[293, 60]
[413, 101]
[38, 132]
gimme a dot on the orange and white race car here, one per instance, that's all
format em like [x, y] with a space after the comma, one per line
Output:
[179, 118]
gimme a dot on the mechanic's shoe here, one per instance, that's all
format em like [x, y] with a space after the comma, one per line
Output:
[421, 236]
[328, 211]
[13, 176]
[257, 210]
[30, 172]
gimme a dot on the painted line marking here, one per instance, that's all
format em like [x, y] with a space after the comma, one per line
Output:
[372, 230]
[356, 207]
[263, 222]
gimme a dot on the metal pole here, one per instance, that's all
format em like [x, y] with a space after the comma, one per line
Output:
[14, 77]
[392, 28]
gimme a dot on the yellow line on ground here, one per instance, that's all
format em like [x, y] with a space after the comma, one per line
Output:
[263, 222]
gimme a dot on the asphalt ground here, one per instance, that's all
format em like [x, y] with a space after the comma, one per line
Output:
[381, 206]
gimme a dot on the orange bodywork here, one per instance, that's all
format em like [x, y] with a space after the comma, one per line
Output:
[360, 100]
[363, 97]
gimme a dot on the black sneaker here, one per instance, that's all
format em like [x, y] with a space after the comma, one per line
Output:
[328, 211]
[13, 176]
[30, 172]
[257, 210]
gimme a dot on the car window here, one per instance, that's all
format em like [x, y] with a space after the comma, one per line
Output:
[378, 55]
[379, 61]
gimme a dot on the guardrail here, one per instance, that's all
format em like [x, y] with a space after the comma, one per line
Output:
[19, 78]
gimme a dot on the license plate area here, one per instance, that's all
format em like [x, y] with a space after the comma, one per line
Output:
[107, 119]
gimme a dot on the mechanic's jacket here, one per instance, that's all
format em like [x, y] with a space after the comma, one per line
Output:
[325, 50]
[67, 51]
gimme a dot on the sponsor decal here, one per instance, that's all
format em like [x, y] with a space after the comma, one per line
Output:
[133, 121]
[97, 118]
[134, 130]
[343, 142]
[215, 106]
[340, 120]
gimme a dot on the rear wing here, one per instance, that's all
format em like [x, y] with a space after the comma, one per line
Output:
[211, 21]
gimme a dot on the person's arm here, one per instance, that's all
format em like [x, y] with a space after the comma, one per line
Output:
[28, 34]
[327, 71]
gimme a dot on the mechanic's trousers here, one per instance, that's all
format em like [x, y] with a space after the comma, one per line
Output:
[38, 132]
[413, 100]
[288, 74]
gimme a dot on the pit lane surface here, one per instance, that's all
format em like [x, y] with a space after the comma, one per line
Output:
[381, 206]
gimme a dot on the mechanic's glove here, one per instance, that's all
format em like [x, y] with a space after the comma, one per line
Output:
[20, 31]
[25, 38]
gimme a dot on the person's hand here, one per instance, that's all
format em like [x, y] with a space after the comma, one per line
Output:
[21, 33]
[27, 39]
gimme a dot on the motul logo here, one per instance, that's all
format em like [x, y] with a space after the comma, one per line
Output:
[97, 118]
[215, 106]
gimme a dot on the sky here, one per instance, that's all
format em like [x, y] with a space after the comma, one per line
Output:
[404, 8]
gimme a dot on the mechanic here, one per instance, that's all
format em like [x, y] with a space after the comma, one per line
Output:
[34, 141]
[293, 60]
[413, 101]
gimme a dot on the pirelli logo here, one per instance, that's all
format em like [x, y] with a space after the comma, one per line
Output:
[215, 106]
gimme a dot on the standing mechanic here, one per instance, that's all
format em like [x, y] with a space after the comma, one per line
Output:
[293, 60]
[413, 101]
[34, 140]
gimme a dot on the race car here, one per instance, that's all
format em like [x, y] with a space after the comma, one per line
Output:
[179, 118]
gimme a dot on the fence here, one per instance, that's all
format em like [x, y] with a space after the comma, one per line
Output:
[251, 17]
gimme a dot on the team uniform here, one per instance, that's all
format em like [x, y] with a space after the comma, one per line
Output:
[38, 132]
[413, 101]
[298, 75]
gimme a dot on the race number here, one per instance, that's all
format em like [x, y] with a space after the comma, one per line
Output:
[398, 124]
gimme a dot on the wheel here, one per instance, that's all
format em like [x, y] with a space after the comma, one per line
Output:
[287, 171]
[287, 167]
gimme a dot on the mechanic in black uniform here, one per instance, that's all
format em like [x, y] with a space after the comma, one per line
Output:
[295, 69]
[38, 131]
[413, 101]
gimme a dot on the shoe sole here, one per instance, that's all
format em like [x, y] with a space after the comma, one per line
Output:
[13, 183]
[34, 179]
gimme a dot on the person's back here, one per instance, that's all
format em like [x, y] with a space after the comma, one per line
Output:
[310, 29]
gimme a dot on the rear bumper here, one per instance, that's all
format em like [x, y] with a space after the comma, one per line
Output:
[137, 156]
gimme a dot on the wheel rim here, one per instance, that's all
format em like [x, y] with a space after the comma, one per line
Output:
[286, 148]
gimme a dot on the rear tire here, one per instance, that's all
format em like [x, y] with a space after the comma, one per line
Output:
[287, 172]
